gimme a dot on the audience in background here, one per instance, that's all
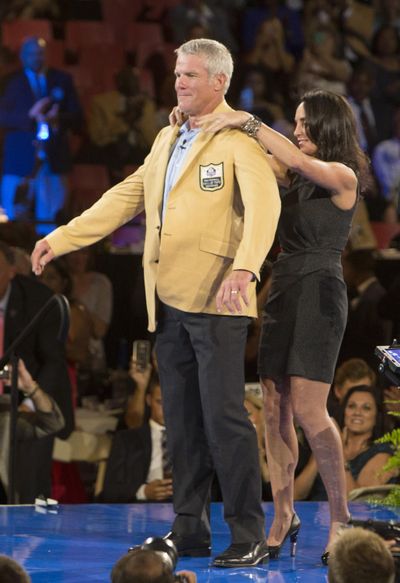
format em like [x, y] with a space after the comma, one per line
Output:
[43, 353]
[94, 291]
[138, 468]
[352, 372]
[37, 109]
[365, 329]
[322, 67]
[122, 125]
[386, 163]
[38, 416]
[361, 424]
[354, 50]
[255, 409]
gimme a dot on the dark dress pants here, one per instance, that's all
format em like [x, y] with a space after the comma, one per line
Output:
[201, 366]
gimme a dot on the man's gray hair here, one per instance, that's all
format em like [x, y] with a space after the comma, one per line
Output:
[218, 58]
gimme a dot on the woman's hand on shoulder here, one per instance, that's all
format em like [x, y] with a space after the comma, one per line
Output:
[214, 122]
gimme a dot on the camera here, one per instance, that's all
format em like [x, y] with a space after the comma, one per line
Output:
[165, 549]
[389, 357]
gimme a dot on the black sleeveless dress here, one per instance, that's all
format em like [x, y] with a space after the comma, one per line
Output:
[306, 312]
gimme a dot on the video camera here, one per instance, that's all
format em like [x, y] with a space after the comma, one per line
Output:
[165, 549]
[390, 361]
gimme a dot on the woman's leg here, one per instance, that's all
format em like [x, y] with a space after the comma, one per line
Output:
[309, 408]
[282, 454]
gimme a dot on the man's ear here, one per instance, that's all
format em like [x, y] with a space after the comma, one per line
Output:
[219, 81]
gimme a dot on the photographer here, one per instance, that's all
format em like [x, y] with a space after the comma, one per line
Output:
[38, 416]
[146, 566]
[361, 552]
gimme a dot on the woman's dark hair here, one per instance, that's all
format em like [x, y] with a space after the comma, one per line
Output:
[331, 126]
[377, 430]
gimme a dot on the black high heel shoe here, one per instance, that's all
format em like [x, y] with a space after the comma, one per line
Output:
[292, 533]
[325, 555]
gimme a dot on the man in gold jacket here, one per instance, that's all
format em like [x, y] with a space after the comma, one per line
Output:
[212, 206]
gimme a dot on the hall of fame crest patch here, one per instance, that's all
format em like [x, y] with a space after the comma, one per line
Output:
[212, 177]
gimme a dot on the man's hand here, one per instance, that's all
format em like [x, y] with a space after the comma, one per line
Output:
[41, 255]
[158, 489]
[232, 290]
[37, 110]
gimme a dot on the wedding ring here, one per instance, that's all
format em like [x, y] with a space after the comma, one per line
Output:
[234, 291]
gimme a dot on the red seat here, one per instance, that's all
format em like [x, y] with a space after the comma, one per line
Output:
[103, 62]
[13, 33]
[89, 177]
[144, 39]
[85, 32]
[55, 54]
[384, 233]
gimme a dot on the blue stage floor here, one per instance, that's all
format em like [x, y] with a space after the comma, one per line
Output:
[82, 542]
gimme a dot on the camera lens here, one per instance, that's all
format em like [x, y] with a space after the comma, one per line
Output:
[163, 547]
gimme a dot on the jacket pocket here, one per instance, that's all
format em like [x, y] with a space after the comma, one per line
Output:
[217, 247]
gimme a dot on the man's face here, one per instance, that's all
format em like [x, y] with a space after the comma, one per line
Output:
[197, 92]
[33, 55]
[7, 273]
[154, 401]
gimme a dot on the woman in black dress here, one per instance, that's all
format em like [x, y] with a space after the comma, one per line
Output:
[305, 315]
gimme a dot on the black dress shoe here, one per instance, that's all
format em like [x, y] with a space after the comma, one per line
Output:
[243, 555]
[192, 545]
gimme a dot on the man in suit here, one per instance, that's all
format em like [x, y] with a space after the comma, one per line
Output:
[43, 354]
[37, 98]
[212, 206]
[135, 468]
[365, 328]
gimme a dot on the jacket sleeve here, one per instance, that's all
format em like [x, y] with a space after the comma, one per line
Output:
[262, 205]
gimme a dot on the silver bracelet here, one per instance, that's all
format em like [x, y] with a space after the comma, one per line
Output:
[251, 126]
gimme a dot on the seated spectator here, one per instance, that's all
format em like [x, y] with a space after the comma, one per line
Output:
[39, 416]
[362, 423]
[138, 468]
[385, 54]
[360, 555]
[365, 328]
[135, 413]
[372, 123]
[214, 18]
[43, 353]
[57, 277]
[12, 572]
[322, 66]
[386, 162]
[352, 372]
[122, 125]
[145, 566]
[94, 291]
[260, 99]
[271, 57]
